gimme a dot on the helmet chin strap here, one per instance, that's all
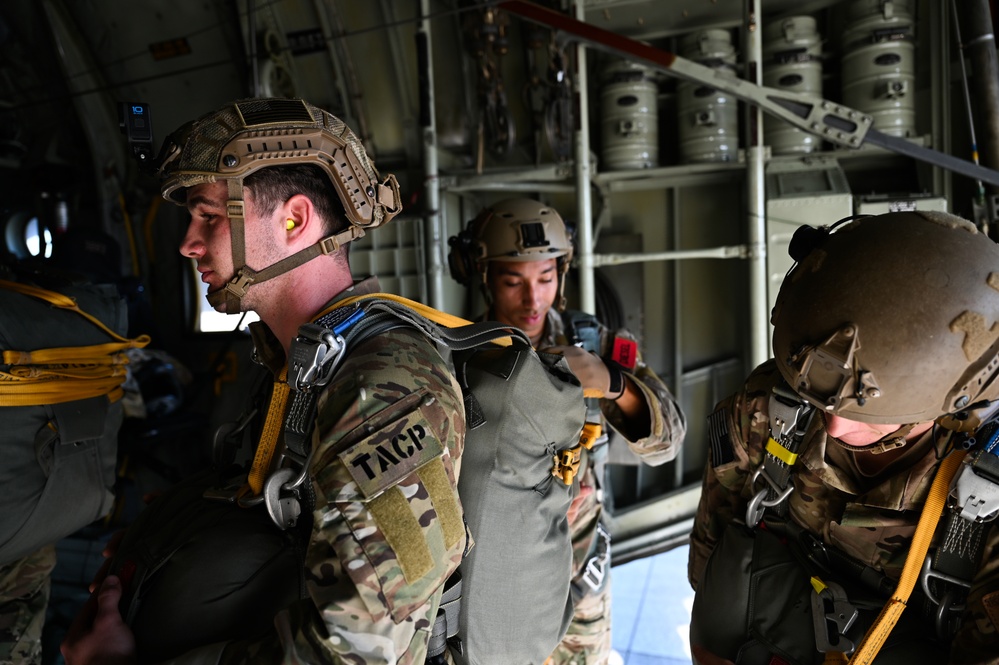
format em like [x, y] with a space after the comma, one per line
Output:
[232, 294]
[888, 442]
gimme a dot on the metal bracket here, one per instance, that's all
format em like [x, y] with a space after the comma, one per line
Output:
[313, 356]
[284, 511]
[929, 573]
[596, 567]
[977, 497]
[841, 616]
[759, 503]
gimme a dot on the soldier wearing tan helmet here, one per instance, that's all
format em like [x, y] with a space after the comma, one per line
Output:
[518, 251]
[274, 189]
[821, 503]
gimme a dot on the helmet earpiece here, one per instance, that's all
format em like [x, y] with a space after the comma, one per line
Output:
[460, 262]
[806, 239]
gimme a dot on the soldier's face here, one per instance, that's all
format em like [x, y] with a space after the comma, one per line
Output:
[523, 292]
[855, 433]
[208, 240]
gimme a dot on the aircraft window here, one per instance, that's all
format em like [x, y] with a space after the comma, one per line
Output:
[20, 235]
[209, 320]
[32, 240]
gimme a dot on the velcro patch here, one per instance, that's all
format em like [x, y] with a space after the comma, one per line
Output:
[385, 457]
[625, 353]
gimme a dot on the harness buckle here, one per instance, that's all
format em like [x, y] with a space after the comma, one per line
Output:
[239, 284]
[929, 573]
[596, 567]
[314, 354]
[566, 464]
[976, 496]
[832, 616]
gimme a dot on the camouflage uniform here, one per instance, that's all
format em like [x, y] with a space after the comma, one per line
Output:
[387, 530]
[871, 519]
[589, 637]
[24, 595]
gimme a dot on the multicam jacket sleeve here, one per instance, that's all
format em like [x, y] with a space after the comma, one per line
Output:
[728, 469]
[387, 529]
[873, 525]
[662, 441]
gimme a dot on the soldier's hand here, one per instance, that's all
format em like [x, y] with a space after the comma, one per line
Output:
[98, 634]
[592, 372]
[108, 553]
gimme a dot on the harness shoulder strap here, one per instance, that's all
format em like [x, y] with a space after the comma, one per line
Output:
[790, 417]
[973, 507]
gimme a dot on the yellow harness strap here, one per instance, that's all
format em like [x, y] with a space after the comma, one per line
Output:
[879, 631]
[67, 374]
[269, 436]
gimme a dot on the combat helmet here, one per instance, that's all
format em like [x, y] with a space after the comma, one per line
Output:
[248, 135]
[892, 319]
[517, 229]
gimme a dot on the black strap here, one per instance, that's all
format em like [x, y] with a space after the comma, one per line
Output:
[448, 619]
[790, 417]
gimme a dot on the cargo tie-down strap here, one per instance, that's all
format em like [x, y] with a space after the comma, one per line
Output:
[66, 374]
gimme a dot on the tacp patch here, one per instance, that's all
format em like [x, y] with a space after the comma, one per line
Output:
[385, 457]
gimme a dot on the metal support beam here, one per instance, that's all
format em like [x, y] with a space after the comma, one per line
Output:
[584, 196]
[756, 202]
[979, 45]
[725, 252]
[431, 183]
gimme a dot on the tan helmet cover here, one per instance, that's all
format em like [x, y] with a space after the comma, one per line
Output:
[893, 319]
[240, 138]
[520, 230]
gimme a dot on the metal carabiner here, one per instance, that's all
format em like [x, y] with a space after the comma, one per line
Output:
[928, 573]
[313, 357]
[759, 503]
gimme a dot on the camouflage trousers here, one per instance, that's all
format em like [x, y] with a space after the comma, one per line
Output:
[588, 640]
[24, 596]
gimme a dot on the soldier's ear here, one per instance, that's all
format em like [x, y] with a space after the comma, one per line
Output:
[299, 218]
